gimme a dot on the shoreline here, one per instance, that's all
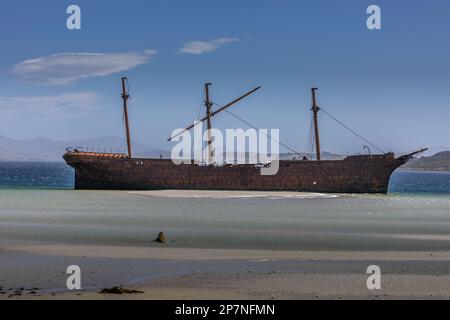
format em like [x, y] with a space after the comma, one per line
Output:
[223, 274]
[232, 194]
[243, 287]
[202, 254]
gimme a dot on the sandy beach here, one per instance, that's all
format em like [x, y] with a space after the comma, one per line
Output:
[307, 250]
[234, 274]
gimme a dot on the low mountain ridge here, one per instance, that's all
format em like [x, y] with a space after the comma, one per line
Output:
[44, 149]
[438, 162]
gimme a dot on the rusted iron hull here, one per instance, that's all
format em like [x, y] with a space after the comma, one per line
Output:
[355, 174]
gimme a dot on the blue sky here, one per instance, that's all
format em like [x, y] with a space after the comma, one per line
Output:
[391, 85]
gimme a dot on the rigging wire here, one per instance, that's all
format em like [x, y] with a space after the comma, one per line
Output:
[309, 147]
[310, 142]
[312, 138]
[202, 102]
[352, 131]
[305, 151]
[252, 126]
[201, 105]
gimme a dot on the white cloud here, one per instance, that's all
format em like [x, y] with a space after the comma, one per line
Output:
[45, 109]
[66, 68]
[199, 47]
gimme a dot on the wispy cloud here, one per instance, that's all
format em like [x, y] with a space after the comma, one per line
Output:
[66, 68]
[200, 47]
[45, 109]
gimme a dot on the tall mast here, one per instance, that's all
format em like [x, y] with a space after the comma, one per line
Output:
[212, 114]
[208, 105]
[125, 98]
[315, 109]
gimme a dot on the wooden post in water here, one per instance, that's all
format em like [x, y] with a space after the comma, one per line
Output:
[125, 98]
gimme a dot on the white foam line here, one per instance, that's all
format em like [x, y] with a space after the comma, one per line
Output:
[209, 194]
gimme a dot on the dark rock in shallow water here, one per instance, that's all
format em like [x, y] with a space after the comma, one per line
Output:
[119, 290]
[161, 238]
[15, 294]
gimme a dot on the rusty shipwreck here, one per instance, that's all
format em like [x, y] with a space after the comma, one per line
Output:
[368, 173]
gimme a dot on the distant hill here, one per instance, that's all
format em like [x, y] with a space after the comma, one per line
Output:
[43, 149]
[437, 162]
[435, 150]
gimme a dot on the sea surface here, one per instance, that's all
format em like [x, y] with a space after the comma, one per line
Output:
[37, 204]
[36, 175]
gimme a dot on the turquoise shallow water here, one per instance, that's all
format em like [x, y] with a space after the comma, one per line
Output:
[360, 222]
[36, 204]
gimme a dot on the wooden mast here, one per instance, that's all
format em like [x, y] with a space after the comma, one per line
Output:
[208, 105]
[125, 97]
[212, 114]
[316, 110]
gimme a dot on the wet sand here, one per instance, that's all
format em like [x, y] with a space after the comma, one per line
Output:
[164, 252]
[223, 245]
[171, 273]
